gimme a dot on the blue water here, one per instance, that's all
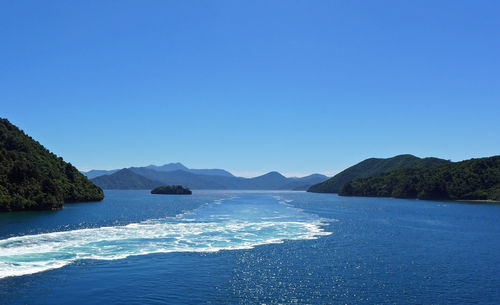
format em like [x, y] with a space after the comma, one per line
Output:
[222, 247]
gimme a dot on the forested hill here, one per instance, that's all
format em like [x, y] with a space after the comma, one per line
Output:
[475, 179]
[32, 178]
[372, 167]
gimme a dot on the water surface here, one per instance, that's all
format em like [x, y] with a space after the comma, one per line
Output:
[251, 247]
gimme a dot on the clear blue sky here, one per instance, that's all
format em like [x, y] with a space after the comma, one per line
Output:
[252, 86]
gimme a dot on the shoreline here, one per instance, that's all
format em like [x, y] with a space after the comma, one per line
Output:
[446, 200]
[479, 200]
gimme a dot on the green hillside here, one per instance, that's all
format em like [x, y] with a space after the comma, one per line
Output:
[372, 167]
[475, 179]
[32, 178]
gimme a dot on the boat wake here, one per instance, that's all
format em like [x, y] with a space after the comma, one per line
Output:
[228, 225]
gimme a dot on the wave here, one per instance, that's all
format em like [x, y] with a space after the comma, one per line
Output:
[199, 233]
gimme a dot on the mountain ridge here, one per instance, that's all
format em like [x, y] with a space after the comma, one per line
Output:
[270, 181]
[126, 179]
[474, 179]
[91, 174]
[372, 167]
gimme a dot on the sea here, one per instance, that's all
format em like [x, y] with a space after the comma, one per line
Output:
[251, 247]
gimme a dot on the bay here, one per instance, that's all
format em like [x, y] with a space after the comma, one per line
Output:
[234, 247]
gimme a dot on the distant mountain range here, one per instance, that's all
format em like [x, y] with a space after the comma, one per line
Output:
[151, 176]
[163, 168]
[125, 179]
[372, 167]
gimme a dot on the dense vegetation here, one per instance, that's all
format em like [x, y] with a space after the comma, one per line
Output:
[372, 167]
[475, 179]
[32, 178]
[125, 179]
[171, 190]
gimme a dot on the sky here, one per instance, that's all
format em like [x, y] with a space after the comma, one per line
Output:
[298, 87]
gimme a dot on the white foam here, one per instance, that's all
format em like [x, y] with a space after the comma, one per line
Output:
[204, 231]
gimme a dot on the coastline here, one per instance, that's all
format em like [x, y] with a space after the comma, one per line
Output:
[447, 200]
[478, 201]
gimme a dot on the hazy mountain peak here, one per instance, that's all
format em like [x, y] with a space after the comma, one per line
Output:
[168, 167]
[274, 173]
[320, 176]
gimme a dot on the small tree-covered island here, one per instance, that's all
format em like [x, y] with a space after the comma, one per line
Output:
[33, 178]
[171, 190]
